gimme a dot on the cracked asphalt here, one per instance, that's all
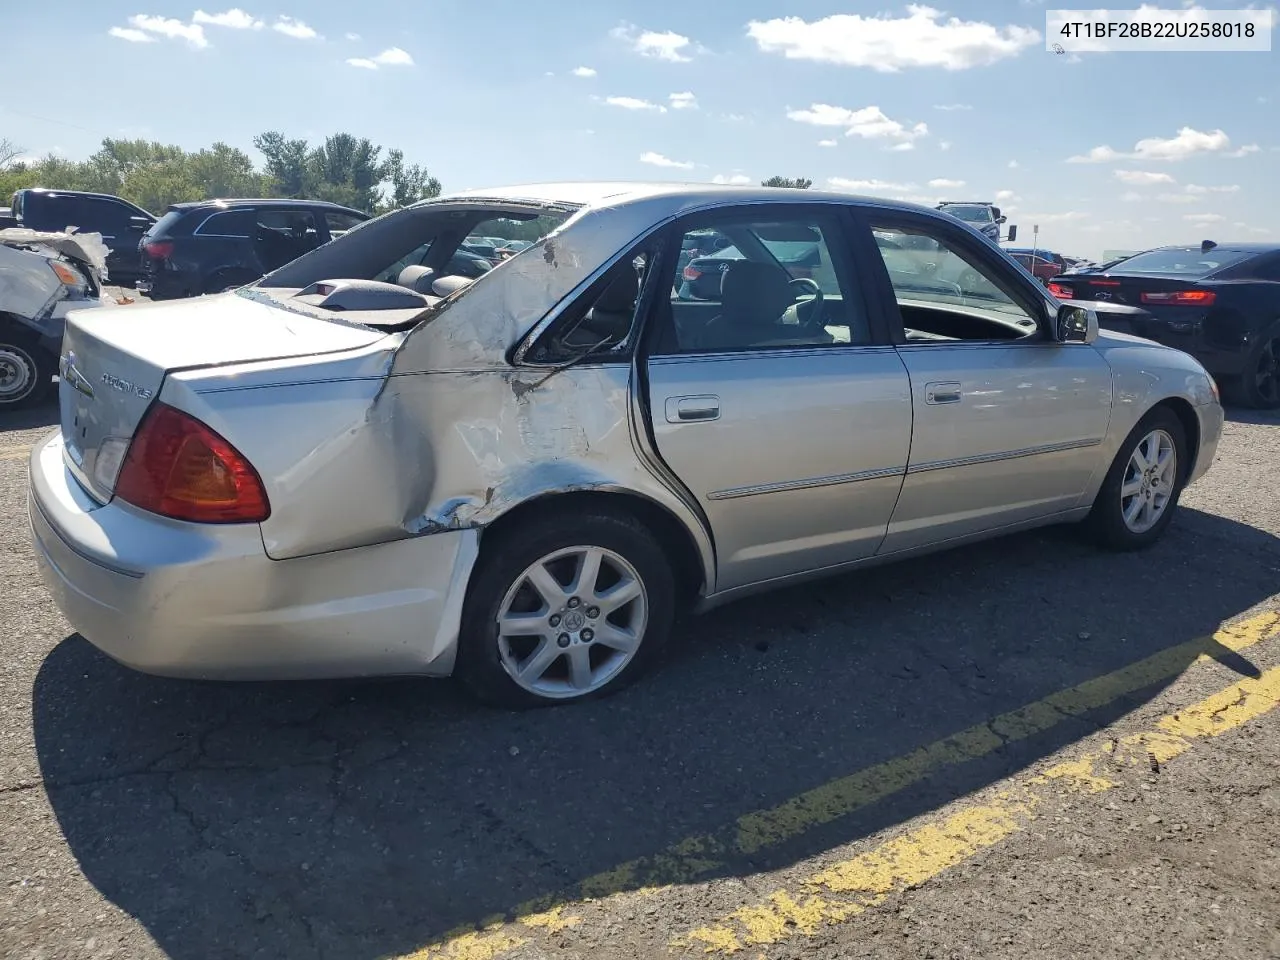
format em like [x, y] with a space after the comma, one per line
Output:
[788, 739]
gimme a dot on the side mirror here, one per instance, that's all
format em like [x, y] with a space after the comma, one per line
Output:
[1075, 325]
[1013, 234]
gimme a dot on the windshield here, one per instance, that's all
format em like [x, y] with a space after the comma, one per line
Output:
[969, 212]
[429, 236]
[1183, 262]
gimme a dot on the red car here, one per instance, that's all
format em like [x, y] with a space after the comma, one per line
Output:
[1042, 268]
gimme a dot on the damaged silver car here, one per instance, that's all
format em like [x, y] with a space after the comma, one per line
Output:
[362, 465]
[43, 277]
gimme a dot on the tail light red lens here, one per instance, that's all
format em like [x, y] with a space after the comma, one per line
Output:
[1061, 291]
[691, 273]
[179, 468]
[1181, 298]
[158, 249]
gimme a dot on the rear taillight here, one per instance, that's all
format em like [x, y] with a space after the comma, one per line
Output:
[1181, 298]
[179, 468]
[1061, 291]
[691, 273]
[158, 249]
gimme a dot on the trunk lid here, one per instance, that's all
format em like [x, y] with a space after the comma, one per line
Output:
[114, 363]
[1118, 288]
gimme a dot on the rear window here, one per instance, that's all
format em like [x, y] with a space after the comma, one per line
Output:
[1188, 262]
[165, 223]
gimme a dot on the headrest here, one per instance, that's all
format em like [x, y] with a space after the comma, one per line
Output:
[417, 278]
[755, 289]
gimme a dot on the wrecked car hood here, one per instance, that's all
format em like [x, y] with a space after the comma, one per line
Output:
[88, 248]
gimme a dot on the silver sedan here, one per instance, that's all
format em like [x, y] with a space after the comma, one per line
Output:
[363, 465]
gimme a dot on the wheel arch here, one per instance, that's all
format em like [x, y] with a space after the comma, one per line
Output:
[689, 560]
[1186, 414]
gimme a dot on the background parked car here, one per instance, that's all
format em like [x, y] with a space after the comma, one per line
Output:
[217, 245]
[1043, 266]
[1218, 302]
[119, 222]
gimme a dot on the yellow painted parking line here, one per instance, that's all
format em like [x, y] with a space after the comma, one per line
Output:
[693, 858]
[849, 888]
[15, 453]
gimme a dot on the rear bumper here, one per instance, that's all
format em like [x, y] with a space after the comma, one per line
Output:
[1179, 328]
[205, 601]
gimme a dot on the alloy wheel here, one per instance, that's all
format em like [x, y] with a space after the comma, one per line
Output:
[571, 622]
[1149, 481]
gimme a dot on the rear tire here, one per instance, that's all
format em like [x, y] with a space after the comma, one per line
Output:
[26, 370]
[1259, 386]
[1139, 495]
[581, 641]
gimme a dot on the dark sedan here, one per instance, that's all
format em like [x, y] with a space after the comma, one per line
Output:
[1218, 302]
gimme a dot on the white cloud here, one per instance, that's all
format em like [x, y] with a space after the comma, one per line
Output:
[905, 145]
[584, 72]
[1013, 164]
[133, 36]
[1187, 143]
[953, 106]
[294, 28]
[1176, 198]
[1244, 226]
[869, 186]
[1142, 178]
[736, 180]
[1227, 188]
[1004, 196]
[826, 143]
[235, 19]
[1244, 151]
[193, 33]
[683, 101]
[634, 103]
[944, 145]
[944, 184]
[393, 57]
[1204, 217]
[869, 123]
[887, 44]
[353, 36]
[658, 160]
[661, 45]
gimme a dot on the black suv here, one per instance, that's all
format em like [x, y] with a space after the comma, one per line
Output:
[217, 245]
[119, 221]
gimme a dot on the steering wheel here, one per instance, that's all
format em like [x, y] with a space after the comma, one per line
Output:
[809, 285]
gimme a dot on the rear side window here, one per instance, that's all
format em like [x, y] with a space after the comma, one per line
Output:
[229, 223]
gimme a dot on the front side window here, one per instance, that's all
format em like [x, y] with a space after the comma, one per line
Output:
[769, 283]
[340, 222]
[945, 292]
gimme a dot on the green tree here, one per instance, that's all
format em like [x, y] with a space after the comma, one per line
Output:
[409, 183]
[798, 183]
[287, 164]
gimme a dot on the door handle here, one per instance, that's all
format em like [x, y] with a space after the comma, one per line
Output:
[691, 409]
[942, 392]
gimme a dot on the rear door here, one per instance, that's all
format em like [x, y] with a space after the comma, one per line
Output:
[790, 426]
[1008, 423]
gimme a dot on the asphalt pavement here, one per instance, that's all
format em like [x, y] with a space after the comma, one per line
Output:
[1027, 748]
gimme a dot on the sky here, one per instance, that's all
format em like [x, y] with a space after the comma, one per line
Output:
[963, 101]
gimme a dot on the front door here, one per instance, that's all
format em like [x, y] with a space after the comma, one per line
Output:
[774, 404]
[1008, 422]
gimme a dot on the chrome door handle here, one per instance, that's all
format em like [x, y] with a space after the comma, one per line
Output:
[691, 409]
[948, 392]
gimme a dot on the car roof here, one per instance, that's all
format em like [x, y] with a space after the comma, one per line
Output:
[1254, 248]
[75, 193]
[230, 203]
[684, 195]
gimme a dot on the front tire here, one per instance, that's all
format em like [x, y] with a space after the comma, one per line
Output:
[564, 609]
[1140, 493]
[26, 371]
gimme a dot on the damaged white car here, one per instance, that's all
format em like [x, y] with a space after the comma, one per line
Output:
[43, 277]
[360, 466]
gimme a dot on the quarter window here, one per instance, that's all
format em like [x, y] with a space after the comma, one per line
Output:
[945, 293]
[761, 284]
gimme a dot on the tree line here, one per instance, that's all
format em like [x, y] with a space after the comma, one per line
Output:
[343, 169]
